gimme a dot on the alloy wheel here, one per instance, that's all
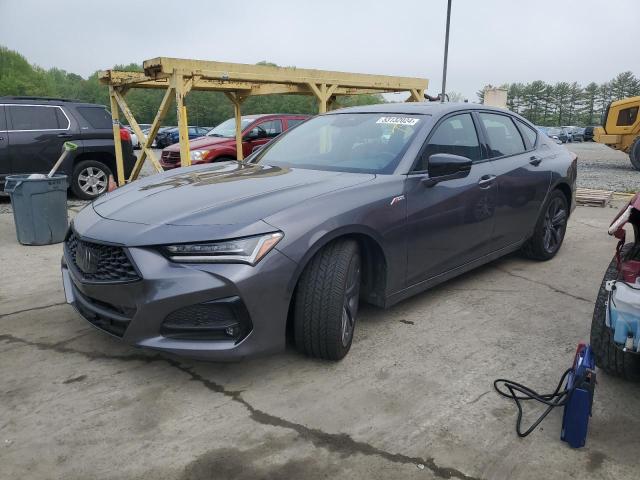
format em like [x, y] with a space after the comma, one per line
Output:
[93, 181]
[555, 222]
[350, 302]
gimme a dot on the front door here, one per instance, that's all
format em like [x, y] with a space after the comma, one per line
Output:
[261, 134]
[449, 224]
[36, 135]
[522, 176]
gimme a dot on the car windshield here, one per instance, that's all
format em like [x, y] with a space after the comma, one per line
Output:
[345, 142]
[228, 128]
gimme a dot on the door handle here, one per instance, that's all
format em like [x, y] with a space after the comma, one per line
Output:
[486, 181]
[535, 161]
[64, 135]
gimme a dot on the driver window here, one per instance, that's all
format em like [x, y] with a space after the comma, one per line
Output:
[455, 135]
[269, 129]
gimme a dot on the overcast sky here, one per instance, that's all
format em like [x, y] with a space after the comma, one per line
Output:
[492, 41]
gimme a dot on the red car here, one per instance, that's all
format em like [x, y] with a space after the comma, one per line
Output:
[219, 144]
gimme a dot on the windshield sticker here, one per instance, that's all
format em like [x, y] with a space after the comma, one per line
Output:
[398, 120]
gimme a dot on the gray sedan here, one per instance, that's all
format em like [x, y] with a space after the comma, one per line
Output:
[367, 204]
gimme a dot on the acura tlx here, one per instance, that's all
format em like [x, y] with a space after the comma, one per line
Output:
[366, 204]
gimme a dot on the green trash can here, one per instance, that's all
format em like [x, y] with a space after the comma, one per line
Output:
[39, 208]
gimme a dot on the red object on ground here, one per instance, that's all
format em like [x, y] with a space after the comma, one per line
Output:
[112, 185]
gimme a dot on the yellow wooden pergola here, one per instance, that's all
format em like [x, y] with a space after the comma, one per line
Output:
[238, 81]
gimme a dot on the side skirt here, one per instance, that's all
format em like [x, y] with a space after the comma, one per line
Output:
[443, 277]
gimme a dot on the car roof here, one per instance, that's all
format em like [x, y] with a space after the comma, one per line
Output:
[423, 108]
[29, 100]
[256, 116]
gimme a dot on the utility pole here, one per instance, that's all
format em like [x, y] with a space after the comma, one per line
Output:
[446, 53]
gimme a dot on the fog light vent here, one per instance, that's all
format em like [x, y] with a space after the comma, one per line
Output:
[223, 319]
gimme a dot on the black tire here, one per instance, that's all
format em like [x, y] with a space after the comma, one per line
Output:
[80, 179]
[634, 153]
[553, 222]
[326, 302]
[609, 357]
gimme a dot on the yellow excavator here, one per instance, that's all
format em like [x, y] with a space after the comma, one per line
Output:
[621, 128]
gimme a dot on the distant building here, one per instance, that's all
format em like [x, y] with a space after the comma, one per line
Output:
[495, 97]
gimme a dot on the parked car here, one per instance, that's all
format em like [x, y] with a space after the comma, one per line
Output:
[588, 134]
[219, 144]
[545, 131]
[558, 133]
[576, 134]
[135, 143]
[172, 135]
[159, 140]
[33, 130]
[373, 203]
[615, 327]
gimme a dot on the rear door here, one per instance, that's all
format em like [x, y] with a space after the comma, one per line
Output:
[522, 178]
[36, 134]
[5, 165]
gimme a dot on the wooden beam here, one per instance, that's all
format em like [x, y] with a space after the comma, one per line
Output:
[237, 100]
[117, 142]
[144, 143]
[155, 126]
[179, 85]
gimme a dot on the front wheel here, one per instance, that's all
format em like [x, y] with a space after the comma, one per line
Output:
[326, 302]
[549, 231]
[90, 179]
[634, 153]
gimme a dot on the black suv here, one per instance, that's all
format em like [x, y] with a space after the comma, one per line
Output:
[33, 130]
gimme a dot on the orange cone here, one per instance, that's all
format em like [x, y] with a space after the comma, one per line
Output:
[112, 184]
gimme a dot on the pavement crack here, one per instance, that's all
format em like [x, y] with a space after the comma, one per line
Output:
[33, 309]
[475, 400]
[340, 443]
[550, 287]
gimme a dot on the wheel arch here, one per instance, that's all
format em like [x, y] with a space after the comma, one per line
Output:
[374, 264]
[566, 190]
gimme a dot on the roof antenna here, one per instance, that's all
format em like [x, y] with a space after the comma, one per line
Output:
[446, 53]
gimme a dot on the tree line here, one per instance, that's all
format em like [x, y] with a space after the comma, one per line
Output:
[565, 103]
[19, 77]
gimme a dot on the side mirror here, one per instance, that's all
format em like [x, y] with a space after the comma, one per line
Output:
[445, 166]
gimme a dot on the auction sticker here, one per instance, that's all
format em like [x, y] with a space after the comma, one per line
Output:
[398, 120]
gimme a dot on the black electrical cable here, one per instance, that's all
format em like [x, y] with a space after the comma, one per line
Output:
[552, 400]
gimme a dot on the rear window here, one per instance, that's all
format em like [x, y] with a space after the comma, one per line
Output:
[3, 123]
[97, 117]
[504, 138]
[529, 133]
[35, 117]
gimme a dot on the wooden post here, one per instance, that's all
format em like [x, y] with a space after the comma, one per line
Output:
[183, 126]
[117, 142]
[237, 100]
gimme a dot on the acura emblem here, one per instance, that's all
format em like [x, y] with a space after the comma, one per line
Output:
[86, 258]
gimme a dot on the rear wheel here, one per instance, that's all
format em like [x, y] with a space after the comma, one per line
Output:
[326, 302]
[634, 153]
[609, 357]
[90, 179]
[549, 232]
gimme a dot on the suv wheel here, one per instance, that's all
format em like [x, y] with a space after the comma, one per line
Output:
[550, 229]
[326, 302]
[610, 356]
[90, 179]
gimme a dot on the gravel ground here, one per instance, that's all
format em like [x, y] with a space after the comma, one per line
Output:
[604, 168]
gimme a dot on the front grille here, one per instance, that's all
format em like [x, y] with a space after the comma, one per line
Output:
[108, 263]
[170, 157]
[223, 319]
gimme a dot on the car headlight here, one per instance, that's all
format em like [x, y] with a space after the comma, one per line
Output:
[198, 155]
[249, 250]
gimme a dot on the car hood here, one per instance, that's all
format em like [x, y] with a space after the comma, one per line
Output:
[226, 193]
[202, 143]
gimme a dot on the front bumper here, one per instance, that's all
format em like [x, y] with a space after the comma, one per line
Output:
[135, 311]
